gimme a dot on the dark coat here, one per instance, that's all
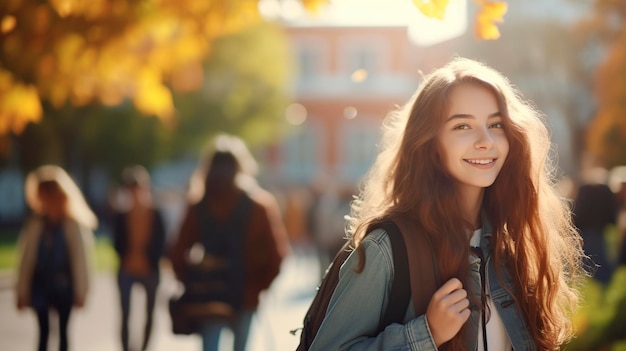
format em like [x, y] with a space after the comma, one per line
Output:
[265, 241]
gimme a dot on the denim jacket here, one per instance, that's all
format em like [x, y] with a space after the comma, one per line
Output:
[360, 300]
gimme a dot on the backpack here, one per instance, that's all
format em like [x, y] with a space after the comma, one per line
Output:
[400, 289]
[215, 287]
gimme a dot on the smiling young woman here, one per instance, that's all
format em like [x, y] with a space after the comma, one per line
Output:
[466, 160]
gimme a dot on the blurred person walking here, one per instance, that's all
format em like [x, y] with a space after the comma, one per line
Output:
[139, 241]
[230, 246]
[595, 208]
[327, 221]
[617, 182]
[54, 245]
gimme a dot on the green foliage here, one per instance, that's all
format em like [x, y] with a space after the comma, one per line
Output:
[8, 254]
[600, 322]
[87, 136]
[244, 93]
[105, 258]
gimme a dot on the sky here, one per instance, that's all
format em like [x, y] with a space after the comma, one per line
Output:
[423, 30]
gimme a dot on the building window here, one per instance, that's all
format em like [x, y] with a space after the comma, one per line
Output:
[311, 54]
[358, 145]
[308, 63]
[364, 58]
[302, 152]
[367, 54]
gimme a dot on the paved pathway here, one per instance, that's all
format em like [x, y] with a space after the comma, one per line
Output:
[95, 328]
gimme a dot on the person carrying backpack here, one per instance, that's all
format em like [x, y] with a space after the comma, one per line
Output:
[463, 168]
[230, 247]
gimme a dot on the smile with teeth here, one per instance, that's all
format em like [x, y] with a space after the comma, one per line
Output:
[481, 161]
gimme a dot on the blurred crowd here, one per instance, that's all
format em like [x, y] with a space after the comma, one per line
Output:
[226, 245]
[225, 248]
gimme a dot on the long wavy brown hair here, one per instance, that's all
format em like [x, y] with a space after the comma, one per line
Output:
[532, 231]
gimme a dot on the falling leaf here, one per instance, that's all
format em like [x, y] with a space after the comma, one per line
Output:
[432, 8]
[490, 13]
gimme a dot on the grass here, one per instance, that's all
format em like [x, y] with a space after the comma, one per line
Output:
[104, 255]
[8, 255]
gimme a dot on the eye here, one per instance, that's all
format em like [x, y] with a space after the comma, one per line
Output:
[461, 127]
[497, 125]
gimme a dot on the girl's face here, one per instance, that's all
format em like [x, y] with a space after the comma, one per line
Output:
[472, 139]
[53, 202]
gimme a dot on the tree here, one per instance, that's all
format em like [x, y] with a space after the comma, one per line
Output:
[244, 93]
[79, 52]
[606, 136]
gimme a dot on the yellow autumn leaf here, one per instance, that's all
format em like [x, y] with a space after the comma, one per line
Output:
[7, 23]
[314, 5]
[432, 8]
[490, 13]
[19, 105]
[245, 16]
[152, 97]
[98, 47]
[161, 28]
[189, 49]
[6, 81]
[58, 95]
[65, 7]
[67, 49]
[96, 8]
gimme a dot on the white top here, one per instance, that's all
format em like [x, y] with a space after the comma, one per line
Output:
[497, 338]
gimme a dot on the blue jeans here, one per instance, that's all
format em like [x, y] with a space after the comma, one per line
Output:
[125, 283]
[241, 328]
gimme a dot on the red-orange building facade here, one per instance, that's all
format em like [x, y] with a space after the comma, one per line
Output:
[349, 78]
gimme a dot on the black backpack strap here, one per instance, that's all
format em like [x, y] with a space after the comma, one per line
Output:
[400, 288]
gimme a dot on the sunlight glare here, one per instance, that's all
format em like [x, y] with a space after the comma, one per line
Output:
[359, 76]
[295, 114]
[422, 30]
[426, 31]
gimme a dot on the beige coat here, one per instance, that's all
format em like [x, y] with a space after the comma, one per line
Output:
[79, 241]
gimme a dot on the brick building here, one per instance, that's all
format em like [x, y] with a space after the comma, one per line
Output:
[349, 78]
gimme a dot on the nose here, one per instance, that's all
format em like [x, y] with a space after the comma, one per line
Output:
[484, 139]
